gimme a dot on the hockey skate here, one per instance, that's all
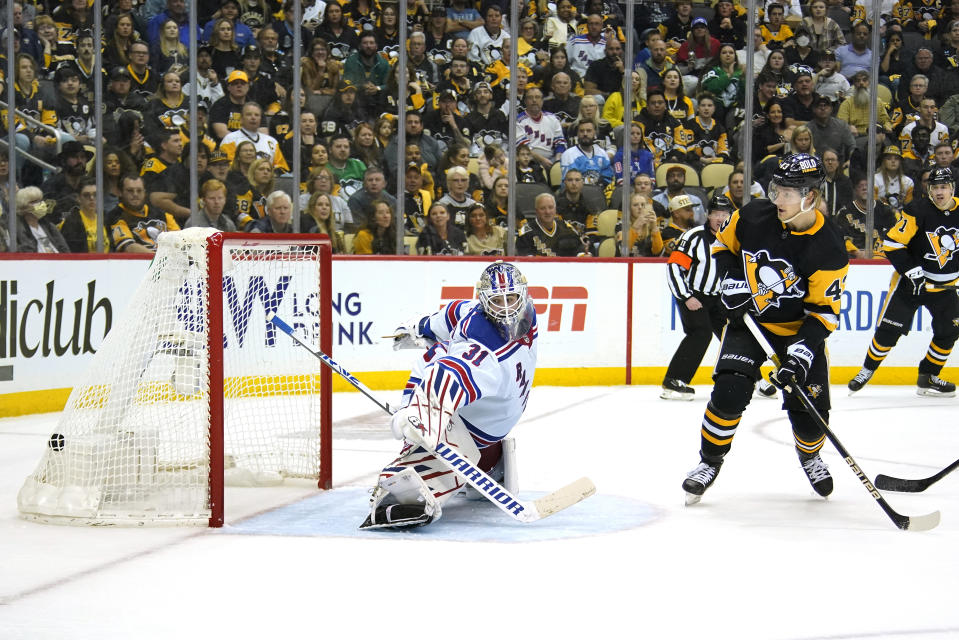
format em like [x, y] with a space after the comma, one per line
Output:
[398, 516]
[700, 479]
[674, 389]
[933, 386]
[817, 472]
[765, 389]
[860, 380]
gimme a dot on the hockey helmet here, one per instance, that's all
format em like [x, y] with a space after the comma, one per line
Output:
[941, 175]
[505, 299]
[800, 171]
[719, 202]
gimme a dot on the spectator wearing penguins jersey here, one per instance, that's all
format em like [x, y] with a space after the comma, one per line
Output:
[587, 157]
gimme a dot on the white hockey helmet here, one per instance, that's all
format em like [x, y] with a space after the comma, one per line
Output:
[502, 293]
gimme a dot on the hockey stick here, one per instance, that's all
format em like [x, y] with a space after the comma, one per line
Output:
[521, 510]
[889, 483]
[906, 523]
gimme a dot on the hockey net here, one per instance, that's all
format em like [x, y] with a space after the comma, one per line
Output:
[193, 389]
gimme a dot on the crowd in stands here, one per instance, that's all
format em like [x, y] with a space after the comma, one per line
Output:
[681, 128]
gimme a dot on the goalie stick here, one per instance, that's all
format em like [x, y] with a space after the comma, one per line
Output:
[520, 510]
[906, 523]
[889, 483]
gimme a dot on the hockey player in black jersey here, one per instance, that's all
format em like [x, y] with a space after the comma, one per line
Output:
[922, 247]
[785, 264]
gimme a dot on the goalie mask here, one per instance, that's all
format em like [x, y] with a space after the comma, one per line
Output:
[505, 300]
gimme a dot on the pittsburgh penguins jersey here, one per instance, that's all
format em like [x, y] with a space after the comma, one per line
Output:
[926, 237]
[796, 278]
[701, 141]
[851, 220]
[489, 377]
[142, 229]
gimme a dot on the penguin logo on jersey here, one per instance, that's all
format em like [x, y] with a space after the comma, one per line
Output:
[944, 243]
[770, 279]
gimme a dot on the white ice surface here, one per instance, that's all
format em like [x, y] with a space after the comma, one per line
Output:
[761, 557]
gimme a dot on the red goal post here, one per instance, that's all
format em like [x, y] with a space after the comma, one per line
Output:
[193, 390]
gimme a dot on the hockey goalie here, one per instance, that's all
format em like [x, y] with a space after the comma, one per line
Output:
[467, 391]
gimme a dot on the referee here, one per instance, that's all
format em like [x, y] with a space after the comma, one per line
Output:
[694, 283]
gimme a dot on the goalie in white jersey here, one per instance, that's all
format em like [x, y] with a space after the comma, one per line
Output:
[468, 391]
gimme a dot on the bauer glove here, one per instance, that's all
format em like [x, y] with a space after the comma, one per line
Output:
[735, 295]
[795, 367]
[917, 279]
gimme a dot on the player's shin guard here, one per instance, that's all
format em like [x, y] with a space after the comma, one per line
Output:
[809, 439]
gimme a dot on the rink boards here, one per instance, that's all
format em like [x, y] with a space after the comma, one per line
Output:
[600, 321]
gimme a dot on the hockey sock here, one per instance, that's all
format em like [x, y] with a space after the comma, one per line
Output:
[936, 356]
[717, 432]
[807, 433]
[876, 354]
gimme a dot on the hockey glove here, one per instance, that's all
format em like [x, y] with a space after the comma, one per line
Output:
[917, 279]
[794, 369]
[735, 296]
[409, 336]
[404, 422]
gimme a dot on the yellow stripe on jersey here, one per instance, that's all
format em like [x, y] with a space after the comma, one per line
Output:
[726, 239]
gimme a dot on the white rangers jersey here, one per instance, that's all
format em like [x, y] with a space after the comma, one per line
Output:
[487, 377]
[543, 135]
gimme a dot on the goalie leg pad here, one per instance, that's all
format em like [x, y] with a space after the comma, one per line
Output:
[499, 462]
[401, 500]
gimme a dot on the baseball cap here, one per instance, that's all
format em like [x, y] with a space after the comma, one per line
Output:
[64, 72]
[820, 99]
[482, 85]
[120, 73]
[892, 150]
[218, 156]
[413, 165]
[681, 201]
[237, 76]
[347, 85]
[448, 93]
[251, 51]
[699, 22]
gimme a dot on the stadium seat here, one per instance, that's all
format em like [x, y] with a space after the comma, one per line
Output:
[606, 223]
[607, 248]
[410, 242]
[594, 196]
[716, 175]
[885, 95]
[348, 242]
[526, 193]
[556, 175]
[692, 178]
[616, 200]
[473, 166]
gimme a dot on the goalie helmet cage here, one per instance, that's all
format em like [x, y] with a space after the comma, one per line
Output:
[191, 391]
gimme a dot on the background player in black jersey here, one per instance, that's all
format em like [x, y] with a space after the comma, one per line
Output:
[922, 247]
[785, 265]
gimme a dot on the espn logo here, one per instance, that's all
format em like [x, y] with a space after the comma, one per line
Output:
[550, 300]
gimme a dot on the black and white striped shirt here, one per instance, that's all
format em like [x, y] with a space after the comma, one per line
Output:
[691, 268]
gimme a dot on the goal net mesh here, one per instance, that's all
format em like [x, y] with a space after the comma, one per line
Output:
[134, 441]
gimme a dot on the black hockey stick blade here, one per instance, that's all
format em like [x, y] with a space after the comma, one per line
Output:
[906, 523]
[903, 485]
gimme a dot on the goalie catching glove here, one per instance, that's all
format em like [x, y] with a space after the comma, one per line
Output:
[410, 335]
[795, 367]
